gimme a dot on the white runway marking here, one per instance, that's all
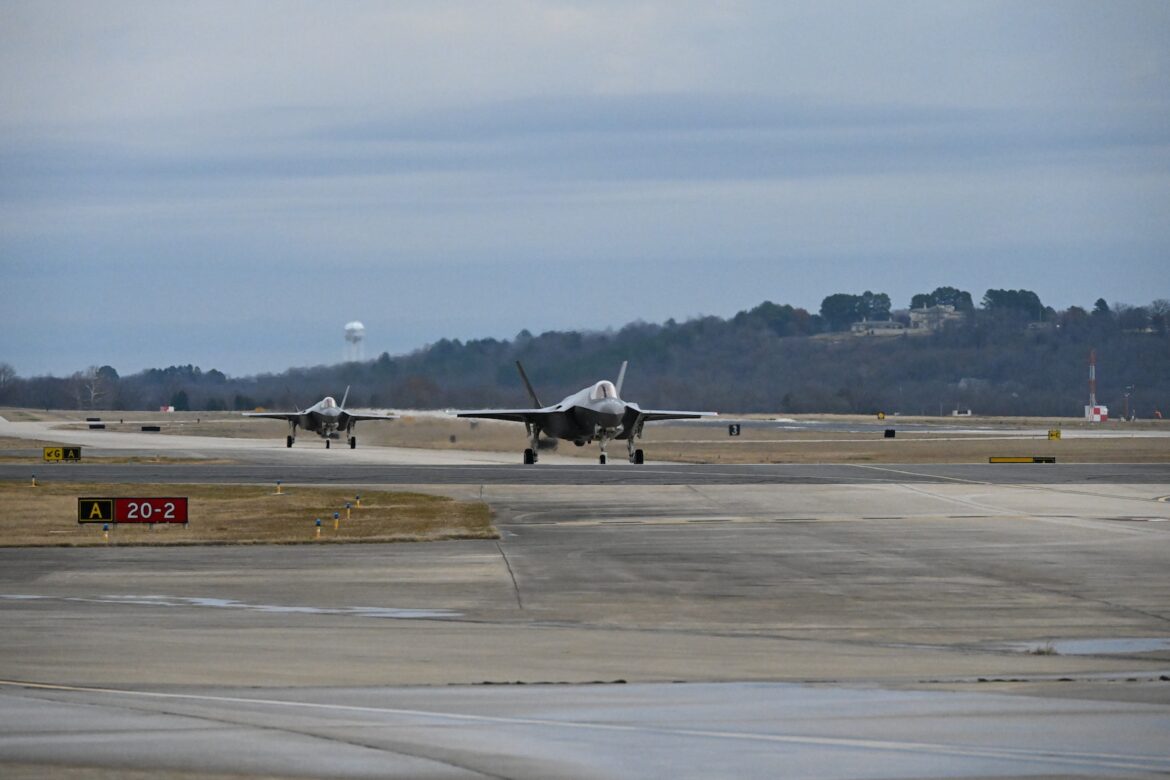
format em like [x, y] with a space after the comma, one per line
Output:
[187, 601]
[1087, 760]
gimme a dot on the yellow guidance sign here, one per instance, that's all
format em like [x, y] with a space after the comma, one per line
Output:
[95, 510]
[54, 454]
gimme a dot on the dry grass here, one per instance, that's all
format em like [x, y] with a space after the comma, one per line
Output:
[240, 514]
[710, 443]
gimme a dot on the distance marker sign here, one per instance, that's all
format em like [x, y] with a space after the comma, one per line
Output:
[132, 510]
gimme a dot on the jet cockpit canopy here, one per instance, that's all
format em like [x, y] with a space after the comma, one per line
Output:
[602, 390]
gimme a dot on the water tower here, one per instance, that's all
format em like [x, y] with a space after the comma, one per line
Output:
[355, 334]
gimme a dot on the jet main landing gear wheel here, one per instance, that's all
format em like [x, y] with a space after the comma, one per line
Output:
[603, 459]
[353, 442]
[529, 457]
[639, 457]
[326, 444]
[289, 441]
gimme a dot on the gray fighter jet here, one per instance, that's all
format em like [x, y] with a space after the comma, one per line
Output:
[326, 418]
[595, 413]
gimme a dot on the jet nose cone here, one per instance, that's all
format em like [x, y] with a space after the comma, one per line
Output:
[613, 410]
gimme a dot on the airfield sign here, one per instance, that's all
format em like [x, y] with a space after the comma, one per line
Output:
[54, 454]
[132, 510]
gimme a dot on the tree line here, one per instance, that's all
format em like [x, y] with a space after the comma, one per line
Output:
[1010, 355]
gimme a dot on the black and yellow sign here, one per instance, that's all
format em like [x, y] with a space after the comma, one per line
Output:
[1054, 433]
[122, 509]
[53, 454]
[95, 510]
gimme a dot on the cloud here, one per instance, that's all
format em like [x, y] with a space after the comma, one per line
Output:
[242, 150]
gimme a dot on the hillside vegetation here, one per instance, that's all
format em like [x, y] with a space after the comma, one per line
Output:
[1009, 356]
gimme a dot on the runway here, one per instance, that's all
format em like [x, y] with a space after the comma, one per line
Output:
[682, 731]
[660, 621]
[593, 474]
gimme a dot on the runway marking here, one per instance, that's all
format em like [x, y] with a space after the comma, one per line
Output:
[1099, 760]
[1063, 489]
[187, 601]
[698, 520]
[906, 436]
[919, 474]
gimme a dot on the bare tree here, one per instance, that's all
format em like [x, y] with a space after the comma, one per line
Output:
[91, 386]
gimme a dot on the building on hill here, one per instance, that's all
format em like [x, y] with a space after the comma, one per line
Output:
[934, 317]
[877, 328]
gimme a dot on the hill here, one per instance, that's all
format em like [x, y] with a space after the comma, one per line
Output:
[1011, 356]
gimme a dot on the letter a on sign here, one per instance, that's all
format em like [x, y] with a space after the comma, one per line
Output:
[95, 510]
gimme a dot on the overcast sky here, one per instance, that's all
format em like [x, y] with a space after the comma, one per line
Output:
[229, 183]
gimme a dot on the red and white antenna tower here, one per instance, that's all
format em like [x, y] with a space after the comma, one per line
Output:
[1094, 412]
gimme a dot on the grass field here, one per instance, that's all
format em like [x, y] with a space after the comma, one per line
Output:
[240, 514]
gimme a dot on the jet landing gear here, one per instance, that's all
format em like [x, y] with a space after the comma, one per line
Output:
[530, 454]
[326, 444]
[353, 442]
[289, 441]
[292, 434]
[637, 457]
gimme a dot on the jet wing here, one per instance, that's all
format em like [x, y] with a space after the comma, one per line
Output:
[357, 416]
[275, 415]
[515, 415]
[635, 416]
[650, 415]
[345, 418]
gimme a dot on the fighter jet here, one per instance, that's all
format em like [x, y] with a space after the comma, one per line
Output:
[326, 418]
[594, 413]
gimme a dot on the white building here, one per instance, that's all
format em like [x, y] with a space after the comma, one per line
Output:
[934, 317]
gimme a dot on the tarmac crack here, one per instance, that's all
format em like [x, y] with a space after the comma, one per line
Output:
[511, 574]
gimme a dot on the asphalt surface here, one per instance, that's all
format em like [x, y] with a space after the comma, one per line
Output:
[658, 621]
[594, 474]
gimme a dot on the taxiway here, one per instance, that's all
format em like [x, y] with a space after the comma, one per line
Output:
[669, 621]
